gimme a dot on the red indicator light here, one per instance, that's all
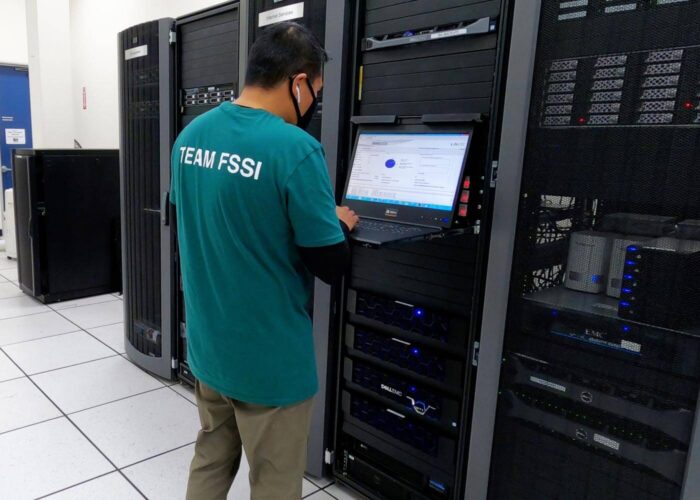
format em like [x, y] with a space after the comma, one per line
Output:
[582, 120]
[464, 198]
[688, 105]
[467, 183]
[463, 210]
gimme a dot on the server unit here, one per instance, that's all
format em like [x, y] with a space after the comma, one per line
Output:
[597, 395]
[410, 311]
[146, 58]
[67, 222]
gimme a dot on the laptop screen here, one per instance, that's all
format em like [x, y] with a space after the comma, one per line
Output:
[411, 170]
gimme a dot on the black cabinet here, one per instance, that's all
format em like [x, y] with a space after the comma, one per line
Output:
[68, 224]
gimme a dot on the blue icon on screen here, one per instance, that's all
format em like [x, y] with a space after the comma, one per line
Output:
[390, 163]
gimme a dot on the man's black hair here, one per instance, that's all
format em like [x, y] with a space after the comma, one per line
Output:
[283, 50]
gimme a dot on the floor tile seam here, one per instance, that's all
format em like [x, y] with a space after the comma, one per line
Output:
[85, 329]
[103, 326]
[73, 365]
[138, 462]
[2, 433]
[120, 472]
[103, 342]
[171, 387]
[48, 309]
[322, 487]
[40, 338]
[76, 306]
[76, 484]
[126, 357]
[309, 495]
[11, 379]
[113, 401]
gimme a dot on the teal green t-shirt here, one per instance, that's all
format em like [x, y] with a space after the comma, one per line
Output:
[249, 189]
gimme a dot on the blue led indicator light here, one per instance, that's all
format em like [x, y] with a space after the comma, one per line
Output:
[624, 304]
[415, 351]
[627, 290]
[419, 312]
[555, 312]
[596, 278]
[438, 486]
[413, 388]
[632, 249]
[629, 277]
[390, 163]
[625, 328]
[631, 262]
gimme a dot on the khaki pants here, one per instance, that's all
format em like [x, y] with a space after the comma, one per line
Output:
[274, 440]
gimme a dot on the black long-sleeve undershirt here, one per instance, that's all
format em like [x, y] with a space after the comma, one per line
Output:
[328, 263]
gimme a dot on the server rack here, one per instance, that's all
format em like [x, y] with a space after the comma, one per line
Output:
[146, 56]
[410, 314]
[598, 393]
[170, 72]
[207, 74]
[67, 217]
[332, 23]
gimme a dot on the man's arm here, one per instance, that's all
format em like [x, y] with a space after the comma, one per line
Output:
[328, 263]
[320, 228]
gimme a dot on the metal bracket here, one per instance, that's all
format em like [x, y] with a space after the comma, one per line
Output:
[479, 27]
[172, 37]
[475, 354]
[329, 457]
[494, 173]
[174, 364]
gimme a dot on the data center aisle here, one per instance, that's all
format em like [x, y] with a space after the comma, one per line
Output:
[79, 421]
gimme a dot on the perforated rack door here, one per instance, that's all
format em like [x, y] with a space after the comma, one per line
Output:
[610, 169]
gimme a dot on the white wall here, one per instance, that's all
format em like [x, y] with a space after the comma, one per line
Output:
[50, 82]
[94, 27]
[13, 32]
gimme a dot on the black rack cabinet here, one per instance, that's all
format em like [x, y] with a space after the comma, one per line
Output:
[410, 312]
[146, 132]
[67, 213]
[599, 371]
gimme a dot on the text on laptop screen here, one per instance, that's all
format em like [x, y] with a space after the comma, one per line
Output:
[417, 170]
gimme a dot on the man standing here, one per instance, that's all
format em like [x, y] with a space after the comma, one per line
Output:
[256, 217]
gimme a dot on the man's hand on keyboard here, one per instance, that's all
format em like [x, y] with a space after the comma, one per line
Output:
[348, 216]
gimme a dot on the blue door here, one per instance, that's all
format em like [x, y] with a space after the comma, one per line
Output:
[15, 117]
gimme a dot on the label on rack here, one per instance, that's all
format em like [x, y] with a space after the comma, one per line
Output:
[450, 33]
[140, 51]
[631, 346]
[286, 13]
[547, 383]
[605, 441]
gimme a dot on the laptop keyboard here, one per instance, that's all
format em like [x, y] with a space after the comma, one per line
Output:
[388, 227]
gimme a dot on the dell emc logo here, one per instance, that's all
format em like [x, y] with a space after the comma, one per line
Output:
[391, 390]
[390, 212]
